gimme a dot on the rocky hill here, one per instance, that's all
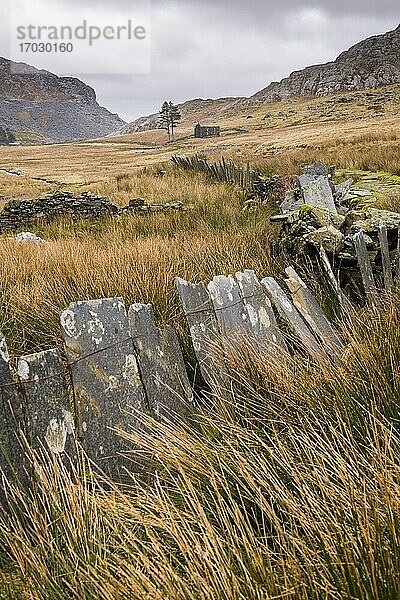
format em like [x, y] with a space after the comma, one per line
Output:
[38, 105]
[372, 63]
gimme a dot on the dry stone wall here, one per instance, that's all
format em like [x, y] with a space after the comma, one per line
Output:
[18, 214]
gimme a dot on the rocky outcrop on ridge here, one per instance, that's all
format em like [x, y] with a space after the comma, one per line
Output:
[372, 63]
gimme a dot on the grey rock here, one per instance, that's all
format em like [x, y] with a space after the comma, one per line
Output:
[374, 218]
[319, 169]
[342, 190]
[26, 237]
[317, 192]
[293, 201]
[330, 238]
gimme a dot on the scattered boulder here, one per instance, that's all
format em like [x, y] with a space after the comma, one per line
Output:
[330, 238]
[372, 218]
[26, 237]
[342, 190]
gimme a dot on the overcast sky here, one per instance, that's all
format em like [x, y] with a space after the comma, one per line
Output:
[215, 48]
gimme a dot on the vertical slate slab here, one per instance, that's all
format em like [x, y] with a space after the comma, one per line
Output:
[317, 192]
[161, 365]
[365, 268]
[232, 315]
[398, 256]
[312, 313]
[344, 302]
[342, 190]
[385, 255]
[204, 330]
[264, 327]
[11, 421]
[295, 321]
[105, 376]
[49, 419]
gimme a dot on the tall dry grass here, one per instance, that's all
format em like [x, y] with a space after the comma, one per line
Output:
[136, 257]
[288, 488]
[37, 282]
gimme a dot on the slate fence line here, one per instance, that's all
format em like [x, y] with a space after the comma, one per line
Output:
[122, 367]
[225, 170]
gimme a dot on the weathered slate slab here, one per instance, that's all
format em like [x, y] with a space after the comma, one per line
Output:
[232, 315]
[293, 201]
[11, 421]
[293, 318]
[264, 328]
[109, 393]
[344, 302]
[317, 192]
[385, 255]
[365, 268]
[49, 419]
[398, 256]
[342, 189]
[161, 365]
[312, 313]
[204, 330]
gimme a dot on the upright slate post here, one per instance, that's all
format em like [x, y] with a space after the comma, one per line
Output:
[293, 318]
[161, 365]
[365, 268]
[312, 313]
[344, 303]
[108, 391]
[232, 314]
[11, 423]
[49, 418]
[398, 256]
[204, 330]
[264, 327]
[386, 263]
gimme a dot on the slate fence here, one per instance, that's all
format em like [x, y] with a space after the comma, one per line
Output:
[121, 367]
[225, 170]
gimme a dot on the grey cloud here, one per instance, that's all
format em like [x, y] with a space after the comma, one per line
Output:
[211, 48]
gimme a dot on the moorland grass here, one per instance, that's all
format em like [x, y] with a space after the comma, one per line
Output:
[287, 489]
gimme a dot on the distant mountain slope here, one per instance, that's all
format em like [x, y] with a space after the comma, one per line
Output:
[197, 109]
[372, 63]
[36, 104]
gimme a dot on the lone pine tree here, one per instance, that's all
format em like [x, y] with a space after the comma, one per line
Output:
[169, 118]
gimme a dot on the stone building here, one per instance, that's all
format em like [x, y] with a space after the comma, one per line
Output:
[201, 131]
